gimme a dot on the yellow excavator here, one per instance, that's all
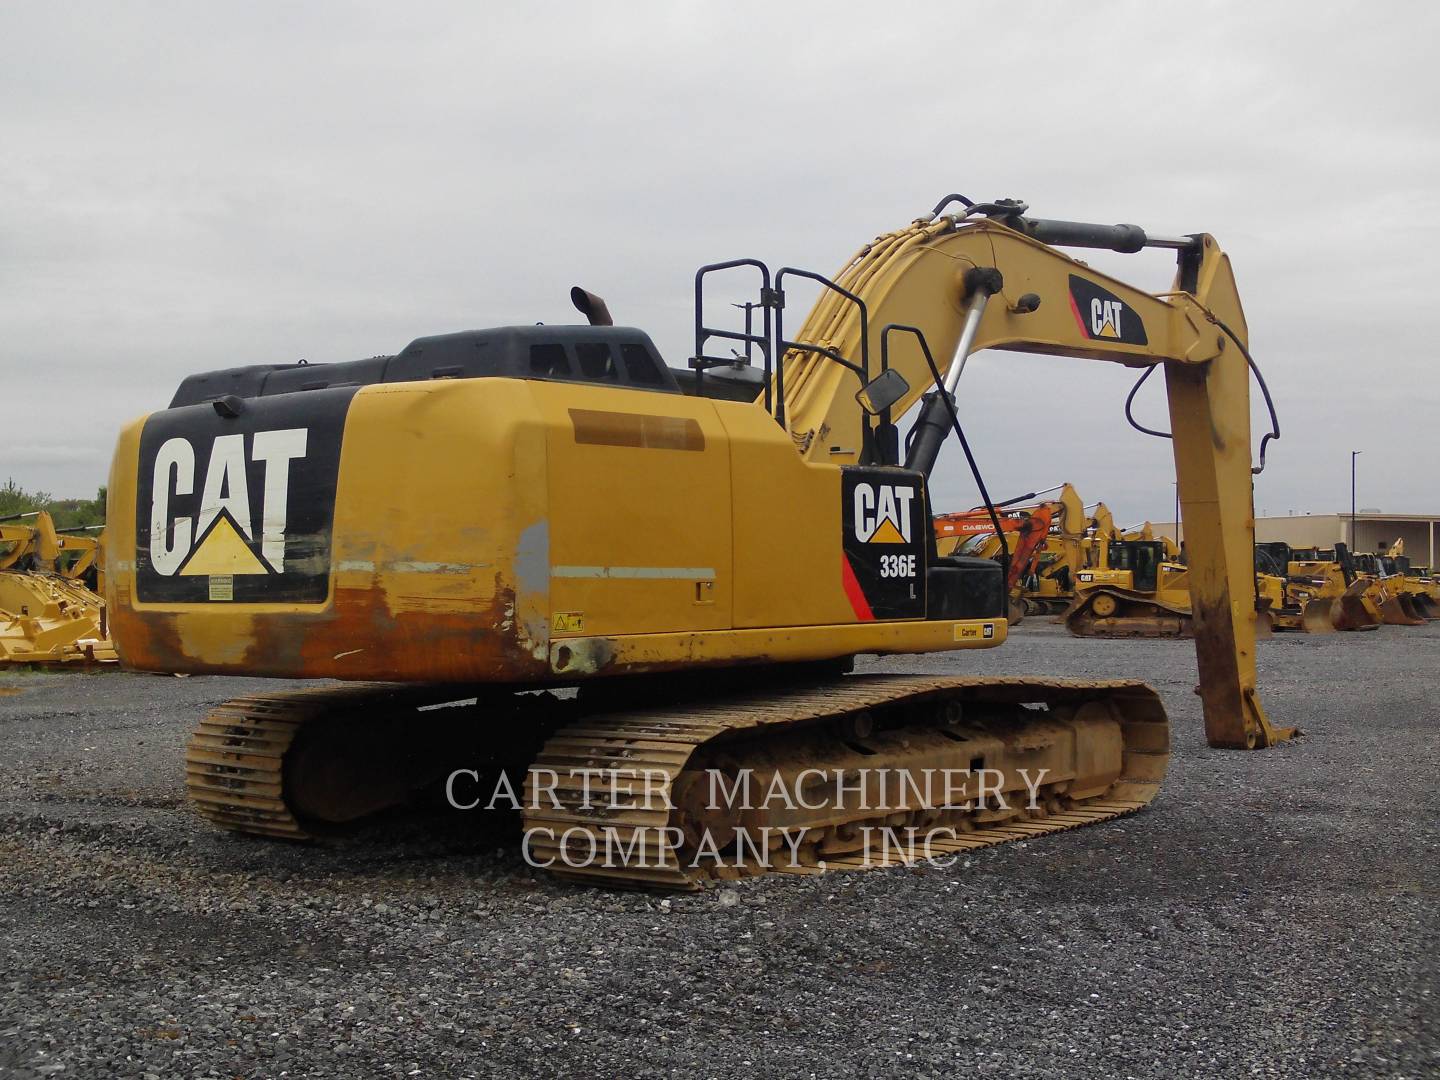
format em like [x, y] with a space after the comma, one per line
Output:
[490, 513]
[50, 611]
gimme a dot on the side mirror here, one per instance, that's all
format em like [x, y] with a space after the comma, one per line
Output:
[882, 391]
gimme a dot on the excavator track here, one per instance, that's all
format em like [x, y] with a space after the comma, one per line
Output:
[649, 820]
[235, 759]
[307, 763]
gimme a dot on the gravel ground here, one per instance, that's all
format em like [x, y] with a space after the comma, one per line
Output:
[1272, 914]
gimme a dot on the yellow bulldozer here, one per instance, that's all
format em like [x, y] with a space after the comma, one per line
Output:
[50, 611]
[1138, 588]
[490, 513]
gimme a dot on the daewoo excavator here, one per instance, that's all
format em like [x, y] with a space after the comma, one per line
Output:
[49, 611]
[534, 507]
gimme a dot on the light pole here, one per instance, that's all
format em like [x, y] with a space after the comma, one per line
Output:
[1353, 455]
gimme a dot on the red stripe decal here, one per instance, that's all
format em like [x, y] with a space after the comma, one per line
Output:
[853, 592]
[1078, 318]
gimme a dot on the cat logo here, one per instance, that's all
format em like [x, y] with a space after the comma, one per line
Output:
[883, 513]
[239, 508]
[225, 537]
[972, 632]
[1103, 316]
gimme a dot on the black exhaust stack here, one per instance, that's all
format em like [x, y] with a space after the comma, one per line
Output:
[591, 306]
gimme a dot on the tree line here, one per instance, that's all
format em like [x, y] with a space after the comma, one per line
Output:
[68, 513]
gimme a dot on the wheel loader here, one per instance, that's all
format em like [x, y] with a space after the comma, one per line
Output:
[1332, 572]
[49, 611]
[1427, 578]
[488, 515]
[1389, 590]
[1416, 589]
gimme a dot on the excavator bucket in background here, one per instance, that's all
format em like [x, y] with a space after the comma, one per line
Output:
[1318, 617]
[1408, 584]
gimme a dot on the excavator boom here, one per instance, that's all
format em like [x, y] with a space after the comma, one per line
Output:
[971, 282]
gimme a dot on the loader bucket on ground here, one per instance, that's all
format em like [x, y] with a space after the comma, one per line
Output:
[1423, 607]
[1317, 618]
[1354, 610]
[1396, 611]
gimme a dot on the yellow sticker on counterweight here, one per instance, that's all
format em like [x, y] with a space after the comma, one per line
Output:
[567, 622]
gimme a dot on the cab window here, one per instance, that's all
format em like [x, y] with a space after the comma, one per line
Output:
[596, 360]
[641, 365]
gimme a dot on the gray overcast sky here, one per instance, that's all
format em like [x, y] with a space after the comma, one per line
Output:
[187, 185]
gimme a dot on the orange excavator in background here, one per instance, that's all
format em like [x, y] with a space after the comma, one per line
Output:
[972, 532]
